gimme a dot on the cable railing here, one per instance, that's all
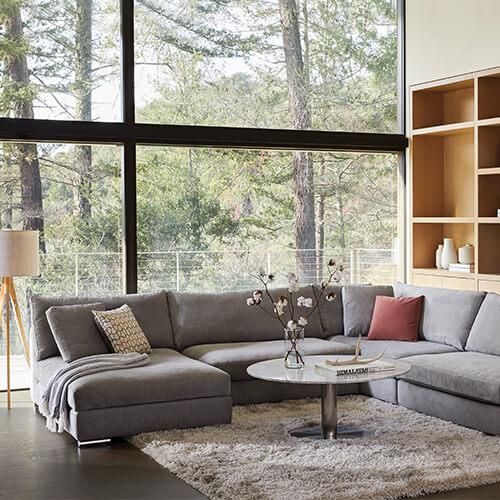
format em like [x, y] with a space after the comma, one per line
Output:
[87, 273]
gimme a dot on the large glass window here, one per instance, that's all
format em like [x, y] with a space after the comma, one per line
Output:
[209, 218]
[78, 213]
[206, 217]
[60, 60]
[306, 64]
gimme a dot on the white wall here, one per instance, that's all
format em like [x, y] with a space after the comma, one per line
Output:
[450, 37]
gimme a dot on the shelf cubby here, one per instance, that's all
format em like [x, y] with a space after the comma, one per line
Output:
[443, 174]
[427, 237]
[444, 104]
[489, 146]
[489, 195]
[489, 249]
[488, 92]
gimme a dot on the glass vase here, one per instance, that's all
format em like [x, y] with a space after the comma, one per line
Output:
[294, 348]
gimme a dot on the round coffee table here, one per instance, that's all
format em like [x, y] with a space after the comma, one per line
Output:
[274, 370]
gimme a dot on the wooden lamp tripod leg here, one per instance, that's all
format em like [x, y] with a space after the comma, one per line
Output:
[3, 293]
[5, 300]
[19, 320]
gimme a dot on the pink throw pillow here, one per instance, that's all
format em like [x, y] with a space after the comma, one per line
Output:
[396, 318]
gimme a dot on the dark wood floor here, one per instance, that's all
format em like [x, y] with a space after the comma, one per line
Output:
[36, 464]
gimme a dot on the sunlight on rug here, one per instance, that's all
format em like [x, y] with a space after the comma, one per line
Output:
[408, 454]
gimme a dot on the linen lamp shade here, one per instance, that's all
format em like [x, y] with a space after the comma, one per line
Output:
[19, 254]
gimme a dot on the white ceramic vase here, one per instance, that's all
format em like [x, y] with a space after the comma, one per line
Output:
[466, 254]
[449, 253]
[439, 257]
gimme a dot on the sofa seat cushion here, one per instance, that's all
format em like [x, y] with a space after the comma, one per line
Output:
[169, 376]
[468, 374]
[235, 357]
[395, 349]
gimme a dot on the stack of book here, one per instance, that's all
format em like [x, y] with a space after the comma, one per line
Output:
[354, 369]
[462, 268]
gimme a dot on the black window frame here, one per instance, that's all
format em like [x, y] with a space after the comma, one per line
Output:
[129, 134]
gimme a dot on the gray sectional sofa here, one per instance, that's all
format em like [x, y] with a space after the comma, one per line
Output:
[203, 343]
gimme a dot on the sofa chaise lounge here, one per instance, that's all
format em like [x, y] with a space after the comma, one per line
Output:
[203, 343]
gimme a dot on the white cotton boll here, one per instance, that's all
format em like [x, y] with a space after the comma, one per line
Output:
[250, 301]
[283, 302]
[302, 321]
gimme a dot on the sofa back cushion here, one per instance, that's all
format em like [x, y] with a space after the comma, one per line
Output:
[75, 331]
[150, 309]
[358, 303]
[331, 313]
[208, 318]
[485, 333]
[447, 315]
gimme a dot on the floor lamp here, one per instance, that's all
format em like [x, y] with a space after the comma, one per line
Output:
[19, 256]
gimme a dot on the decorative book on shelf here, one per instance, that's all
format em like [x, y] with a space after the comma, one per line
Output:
[461, 268]
[355, 369]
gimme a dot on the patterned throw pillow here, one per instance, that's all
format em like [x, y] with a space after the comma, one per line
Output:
[121, 330]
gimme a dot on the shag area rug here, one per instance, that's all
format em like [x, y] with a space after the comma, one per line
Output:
[408, 454]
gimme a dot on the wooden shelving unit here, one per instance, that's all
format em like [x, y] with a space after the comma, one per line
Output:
[455, 177]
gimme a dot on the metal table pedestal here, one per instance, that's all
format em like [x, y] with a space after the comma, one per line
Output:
[328, 428]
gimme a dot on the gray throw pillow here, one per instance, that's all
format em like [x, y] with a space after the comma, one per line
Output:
[358, 302]
[485, 333]
[447, 315]
[75, 331]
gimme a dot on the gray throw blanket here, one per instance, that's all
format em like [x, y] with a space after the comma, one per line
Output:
[54, 405]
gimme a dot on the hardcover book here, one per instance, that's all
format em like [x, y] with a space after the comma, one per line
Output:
[351, 369]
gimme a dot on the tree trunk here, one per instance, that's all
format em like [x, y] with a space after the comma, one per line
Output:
[340, 209]
[26, 155]
[8, 188]
[83, 107]
[305, 233]
[320, 223]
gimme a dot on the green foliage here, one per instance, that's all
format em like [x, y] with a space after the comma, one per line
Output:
[213, 62]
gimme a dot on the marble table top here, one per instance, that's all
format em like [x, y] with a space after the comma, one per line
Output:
[274, 370]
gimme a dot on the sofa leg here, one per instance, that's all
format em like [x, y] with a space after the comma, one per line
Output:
[90, 443]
